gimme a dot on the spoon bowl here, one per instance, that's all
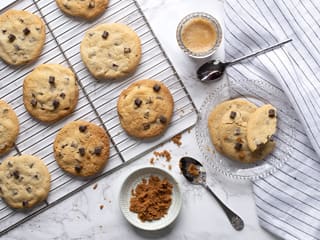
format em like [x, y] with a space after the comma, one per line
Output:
[195, 173]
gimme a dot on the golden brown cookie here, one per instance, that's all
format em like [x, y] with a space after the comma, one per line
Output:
[81, 148]
[145, 108]
[233, 135]
[262, 126]
[9, 127]
[87, 9]
[50, 92]
[217, 113]
[111, 51]
[24, 181]
[22, 36]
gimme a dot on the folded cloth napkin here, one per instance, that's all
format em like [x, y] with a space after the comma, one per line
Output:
[288, 201]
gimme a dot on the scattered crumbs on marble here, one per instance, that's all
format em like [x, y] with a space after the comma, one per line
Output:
[101, 206]
[152, 160]
[163, 154]
[170, 167]
[177, 139]
[95, 186]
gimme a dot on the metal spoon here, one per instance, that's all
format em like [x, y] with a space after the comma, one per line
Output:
[199, 178]
[214, 69]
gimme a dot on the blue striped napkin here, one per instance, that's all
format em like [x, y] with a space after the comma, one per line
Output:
[288, 201]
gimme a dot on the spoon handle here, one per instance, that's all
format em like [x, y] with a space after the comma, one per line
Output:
[236, 222]
[259, 51]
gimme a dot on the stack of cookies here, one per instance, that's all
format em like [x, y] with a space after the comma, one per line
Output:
[242, 131]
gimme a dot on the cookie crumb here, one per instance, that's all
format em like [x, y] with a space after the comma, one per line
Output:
[164, 154]
[152, 161]
[177, 139]
[170, 167]
[101, 207]
[95, 186]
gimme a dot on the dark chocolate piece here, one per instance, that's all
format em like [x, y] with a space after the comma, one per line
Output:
[82, 151]
[52, 80]
[138, 102]
[127, 50]
[82, 128]
[271, 113]
[11, 37]
[55, 104]
[26, 31]
[163, 119]
[97, 151]
[156, 88]
[105, 35]
[233, 115]
[238, 146]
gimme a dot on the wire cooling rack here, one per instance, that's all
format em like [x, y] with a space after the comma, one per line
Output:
[97, 99]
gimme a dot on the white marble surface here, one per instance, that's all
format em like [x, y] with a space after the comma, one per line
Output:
[80, 216]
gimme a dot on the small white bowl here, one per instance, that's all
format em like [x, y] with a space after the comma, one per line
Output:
[125, 194]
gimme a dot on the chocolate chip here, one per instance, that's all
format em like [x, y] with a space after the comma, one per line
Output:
[138, 102]
[237, 132]
[163, 119]
[16, 174]
[4, 31]
[10, 164]
[25, 203]
[233, 115]
[11, 37]
[62, 95]
[115, 65]
[29, 189]
[26, 31]
[97, 150]
[82, 128]
[1, 190]
[146, 126]
[31, 165]
[127, 50]
[238, 146]
[272, 113]
[78, 168]
[105, 35]
[52, 80]
[91, 4]
[55, 104]
[33, 102]
[36, 176]
[82, 151]
[21, 20]
[156, 88]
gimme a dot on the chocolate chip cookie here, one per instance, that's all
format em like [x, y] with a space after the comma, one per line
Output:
[50, 92]
[24, 181]
[218, 112]
[261, 126]
[81, 148]
[9, 127]
[87, 9]
[22, 36]
[111, 51]
[233, 135]
[145, 108]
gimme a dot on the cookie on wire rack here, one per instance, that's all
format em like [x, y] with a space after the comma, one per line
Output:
[81, 148]
[111, 51]
[50, 92]
[9, 127]
[145, 108]
[22, 37]
[86, 9]
[24, 181]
